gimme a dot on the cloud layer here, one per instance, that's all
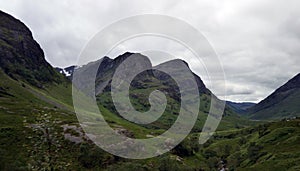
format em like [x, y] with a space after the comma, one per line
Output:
[258, 41]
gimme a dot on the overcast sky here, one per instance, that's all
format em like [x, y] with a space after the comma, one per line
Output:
[258, 41]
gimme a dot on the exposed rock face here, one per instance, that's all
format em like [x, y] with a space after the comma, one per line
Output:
[21, 57]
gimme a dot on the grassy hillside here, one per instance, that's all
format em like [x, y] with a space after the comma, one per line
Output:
[19, 110]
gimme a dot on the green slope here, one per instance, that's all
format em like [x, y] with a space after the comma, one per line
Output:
[272, 146]
[19, 108]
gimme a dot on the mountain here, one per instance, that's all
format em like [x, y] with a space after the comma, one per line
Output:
[282, 103]
[150, 80]
[40, 131]
[21, 57]
[108, 67]
[240, 108]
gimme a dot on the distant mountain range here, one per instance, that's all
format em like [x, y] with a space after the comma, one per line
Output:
[240, 108]
[283, 103]
[280, 104]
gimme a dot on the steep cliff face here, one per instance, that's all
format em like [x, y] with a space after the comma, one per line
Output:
[21, 57]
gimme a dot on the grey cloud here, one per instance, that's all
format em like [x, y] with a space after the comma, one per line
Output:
[233, 91]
